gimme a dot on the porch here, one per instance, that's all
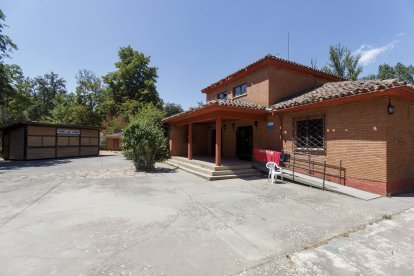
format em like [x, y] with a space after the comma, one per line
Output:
[205, 167]
[221, 132]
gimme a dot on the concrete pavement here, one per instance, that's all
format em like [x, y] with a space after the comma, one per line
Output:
[97, 216]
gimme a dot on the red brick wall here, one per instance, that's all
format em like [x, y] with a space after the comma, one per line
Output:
[285, 83]
[262, 136]
[177, 140]
[356, 138]
[200, 139]
[281, 82]
[376, 149]
[257, 88]
[400, 147]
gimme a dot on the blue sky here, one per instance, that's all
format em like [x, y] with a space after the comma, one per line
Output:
[195, 43]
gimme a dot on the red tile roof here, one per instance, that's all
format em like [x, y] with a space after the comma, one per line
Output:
[332, 90]
[267, 60]
[228, 103]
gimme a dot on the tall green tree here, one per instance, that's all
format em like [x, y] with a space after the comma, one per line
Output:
[172, 109]
[88, 89]
[18, 99]
[45, 89]
[399, 71]
[343, 63]
[6, 46]
[134, 78]
[63, 111]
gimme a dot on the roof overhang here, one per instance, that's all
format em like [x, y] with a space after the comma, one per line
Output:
[209, 114]
[401, 93]
[34, 123]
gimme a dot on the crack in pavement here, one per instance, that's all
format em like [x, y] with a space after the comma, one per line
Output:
[32, 203]
[217, 218]
[323, 242]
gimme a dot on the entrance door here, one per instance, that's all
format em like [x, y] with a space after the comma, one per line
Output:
[115, 143]
[244, 143]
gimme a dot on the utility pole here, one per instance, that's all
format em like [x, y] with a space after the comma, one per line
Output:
[288, 47]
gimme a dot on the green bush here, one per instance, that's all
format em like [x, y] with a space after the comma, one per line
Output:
[145, 144]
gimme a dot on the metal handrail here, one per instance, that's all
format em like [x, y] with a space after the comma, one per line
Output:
[321, 167]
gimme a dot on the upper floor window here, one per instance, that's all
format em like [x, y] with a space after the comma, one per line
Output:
[240, 90]
[309, 134]
[222, 96]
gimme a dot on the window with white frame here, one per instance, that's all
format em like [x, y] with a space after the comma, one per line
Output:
[309, 134]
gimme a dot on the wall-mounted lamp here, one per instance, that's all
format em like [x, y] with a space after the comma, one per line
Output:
[256, 123]
[390, 108]
[233, 125]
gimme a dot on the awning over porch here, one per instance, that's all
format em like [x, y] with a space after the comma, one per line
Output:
[217, 111]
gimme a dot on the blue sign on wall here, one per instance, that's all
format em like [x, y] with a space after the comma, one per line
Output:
[270, 124]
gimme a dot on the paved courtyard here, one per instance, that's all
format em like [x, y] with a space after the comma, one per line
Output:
[97, 216]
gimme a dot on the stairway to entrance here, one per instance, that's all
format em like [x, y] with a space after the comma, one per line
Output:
[206, 168]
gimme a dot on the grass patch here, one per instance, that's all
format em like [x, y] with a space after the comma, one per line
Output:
[387, 216]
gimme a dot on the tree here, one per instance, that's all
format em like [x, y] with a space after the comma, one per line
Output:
[63, 111]
[88, 89]
[6, 46]
[45, 89]
[135, 79]
[385, 71]
[88, 94]
[343, 63]
[17, 99]
[172, 109]
[150, 114]
[399, 71]
[145, 144]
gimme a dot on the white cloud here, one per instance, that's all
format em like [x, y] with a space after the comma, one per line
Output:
[369, 54]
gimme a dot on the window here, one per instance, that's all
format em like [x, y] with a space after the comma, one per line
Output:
[222, 96]
[240, 90]
[309, 134]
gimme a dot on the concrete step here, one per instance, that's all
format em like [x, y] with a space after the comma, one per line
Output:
[211, 166]
[210, 174]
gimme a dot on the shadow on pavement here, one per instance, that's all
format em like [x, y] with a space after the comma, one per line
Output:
[163, 170]
[19, 164]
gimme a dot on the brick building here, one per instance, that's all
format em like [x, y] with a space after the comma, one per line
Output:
[276, 104]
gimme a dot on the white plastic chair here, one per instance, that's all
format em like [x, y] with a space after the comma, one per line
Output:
[274, 171]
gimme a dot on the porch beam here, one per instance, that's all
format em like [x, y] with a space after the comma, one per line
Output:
[218, 141]
[190, 142]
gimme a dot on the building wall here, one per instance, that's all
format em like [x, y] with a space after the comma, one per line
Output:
[400, 148]
[111, 143]
[200, 139]
[257, 88]
[41, 142]
[356, 134]
[16, 150]
[263, 137]
[285, 83]
[270, 84]
[177, 140]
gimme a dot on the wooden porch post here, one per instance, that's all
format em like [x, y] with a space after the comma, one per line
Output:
[218, 141]
[190, 141]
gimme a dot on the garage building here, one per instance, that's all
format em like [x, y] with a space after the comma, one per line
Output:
[34, 140]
